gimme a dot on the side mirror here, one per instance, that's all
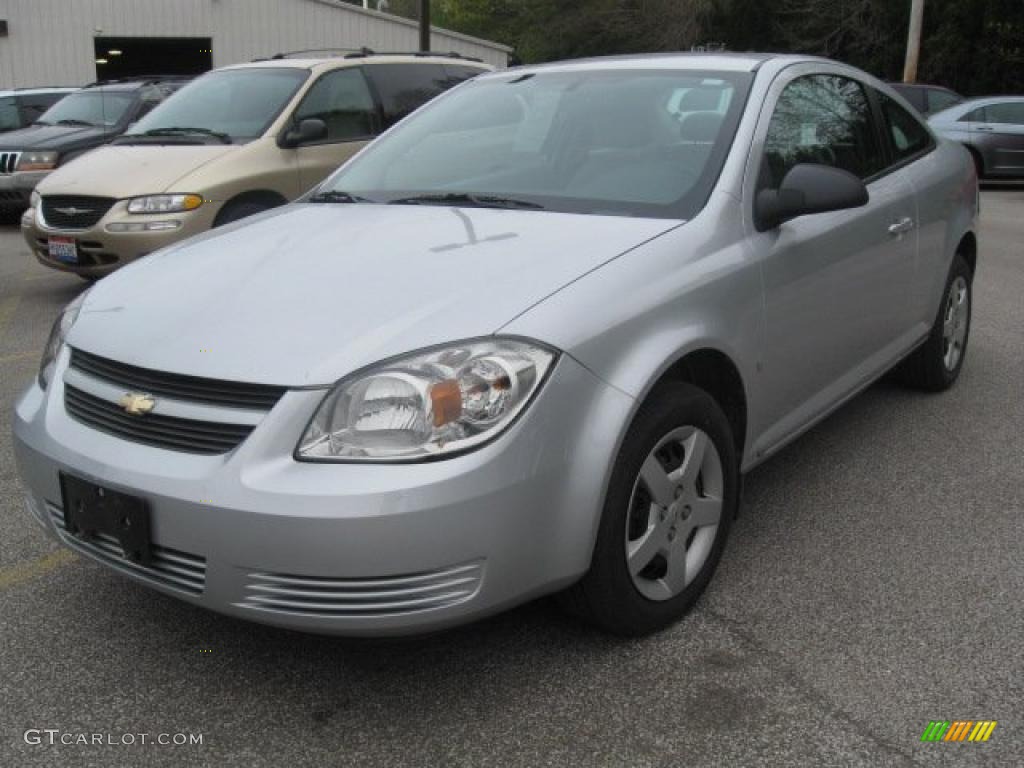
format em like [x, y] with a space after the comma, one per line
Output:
[808, 188]
[309, 130]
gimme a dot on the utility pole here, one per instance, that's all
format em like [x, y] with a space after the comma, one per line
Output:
[913, 41]
[424, 25]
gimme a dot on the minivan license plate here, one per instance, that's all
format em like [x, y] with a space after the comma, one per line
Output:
[64, 249]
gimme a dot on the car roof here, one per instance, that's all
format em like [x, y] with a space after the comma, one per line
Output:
[358, 59]
[736, 62]
[47, 89]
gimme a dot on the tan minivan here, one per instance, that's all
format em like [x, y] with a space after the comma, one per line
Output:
[236, 141]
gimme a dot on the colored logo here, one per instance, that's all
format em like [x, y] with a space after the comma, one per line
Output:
[136, 404]
[958, 730]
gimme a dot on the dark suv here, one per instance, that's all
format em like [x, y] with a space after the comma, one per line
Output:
[23, 106]
[83, 120]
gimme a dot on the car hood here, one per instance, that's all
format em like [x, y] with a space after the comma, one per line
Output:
[129, 171]
[306, 294]
[57, 137]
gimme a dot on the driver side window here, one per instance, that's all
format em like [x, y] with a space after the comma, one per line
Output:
[342, 100]
[824, 119]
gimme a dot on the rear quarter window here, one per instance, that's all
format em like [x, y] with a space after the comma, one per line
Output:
[907, 137]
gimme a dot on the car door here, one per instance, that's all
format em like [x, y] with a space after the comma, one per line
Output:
[343, 100]
[998, 131]
[834, 283]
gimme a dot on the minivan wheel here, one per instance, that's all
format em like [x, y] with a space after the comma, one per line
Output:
[239, 210]
[671, 501]
[936, 364]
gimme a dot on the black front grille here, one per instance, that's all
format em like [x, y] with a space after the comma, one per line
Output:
[193, 389]
[9, 161]
[185, 435]
[75, 211]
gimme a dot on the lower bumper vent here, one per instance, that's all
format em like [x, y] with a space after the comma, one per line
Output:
[170, 567]
[394, 595]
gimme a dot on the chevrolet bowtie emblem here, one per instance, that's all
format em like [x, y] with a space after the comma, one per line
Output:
[72, 211]
[136, 404]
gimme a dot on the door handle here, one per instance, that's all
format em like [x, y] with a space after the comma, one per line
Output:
[903, 225]
[983, 128]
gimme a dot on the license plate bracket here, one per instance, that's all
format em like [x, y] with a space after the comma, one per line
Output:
[63, 249]
[90, 510]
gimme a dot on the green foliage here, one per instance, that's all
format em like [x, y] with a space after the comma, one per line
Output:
[974, 46]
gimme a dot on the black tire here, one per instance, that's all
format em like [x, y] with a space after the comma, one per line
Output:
[926, 368]
[607, 595]
[239, 210]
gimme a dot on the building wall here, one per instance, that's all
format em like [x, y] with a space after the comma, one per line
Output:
[50, 42]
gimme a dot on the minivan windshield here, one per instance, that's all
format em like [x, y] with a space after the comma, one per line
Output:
[95, 107]
[622, 142]
[238, 103]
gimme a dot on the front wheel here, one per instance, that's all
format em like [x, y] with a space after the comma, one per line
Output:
[239, 210]
[672, 497]
[936, 364]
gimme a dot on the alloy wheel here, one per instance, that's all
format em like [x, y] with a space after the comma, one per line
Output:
[954, 322]
[674, 512]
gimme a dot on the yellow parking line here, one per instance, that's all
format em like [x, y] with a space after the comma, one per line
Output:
[18, 574]
[7, 307]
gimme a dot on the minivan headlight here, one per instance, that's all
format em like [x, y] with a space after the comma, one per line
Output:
[430, 404]
[164, 203]
[38, 161]
[61, 327]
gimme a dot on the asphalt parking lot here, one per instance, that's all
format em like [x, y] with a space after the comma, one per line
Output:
[872, 584]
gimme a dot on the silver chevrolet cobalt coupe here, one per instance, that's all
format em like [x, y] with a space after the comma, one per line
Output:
[526, 342]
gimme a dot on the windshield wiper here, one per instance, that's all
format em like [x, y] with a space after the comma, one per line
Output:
[337, 196]
[75, 121]
[185, 131]
[463, 198]
[41, 122]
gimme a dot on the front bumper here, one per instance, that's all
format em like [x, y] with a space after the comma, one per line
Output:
[351, 549]
[16, 189]
[102, 251]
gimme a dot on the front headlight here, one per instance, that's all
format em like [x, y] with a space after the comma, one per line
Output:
[426, 405]
[38, 161]
[35, 199]
[164, 203]
[61, 327]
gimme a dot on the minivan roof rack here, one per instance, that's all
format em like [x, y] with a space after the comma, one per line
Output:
[287, 54]
[140, 79]
[358, 53]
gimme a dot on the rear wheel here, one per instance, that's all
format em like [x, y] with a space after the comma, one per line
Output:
[671, 501]
[936, 364]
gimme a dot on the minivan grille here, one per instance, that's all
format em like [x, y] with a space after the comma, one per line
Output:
[172, 568]
[327, 597]
[186, 435]
[8, 162]
[193, 389]
[74, 211]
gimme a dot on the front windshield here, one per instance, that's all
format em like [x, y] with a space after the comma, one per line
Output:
[9, 119]
[239, 103]
[623, 142]
[93, 107]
